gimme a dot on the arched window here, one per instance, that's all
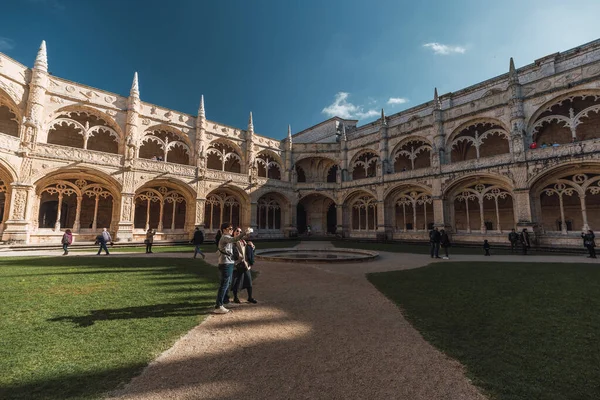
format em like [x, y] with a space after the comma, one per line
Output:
[412, 212]
[83, 130]
[364, 213]
[9, 124]
[164, 145]
[160, 208]
[365, 166]
[219, 208]
[223, 157]
[268, 167]
[479, 140]
[412, 155]
[268, 213]
[483, 206]
[300, 175]
[332, 173]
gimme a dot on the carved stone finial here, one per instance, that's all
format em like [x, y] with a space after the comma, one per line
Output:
[344, 137]
[289, 133]
[41, 61]
[383, 121]
[437, 104]
[250, 123]
[512, 72]
[201, 112]
[135, 89]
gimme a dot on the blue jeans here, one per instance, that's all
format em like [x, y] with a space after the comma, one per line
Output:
[66, 247]
[197, 250]
[225, 270]
[434, 249]
[103, 247]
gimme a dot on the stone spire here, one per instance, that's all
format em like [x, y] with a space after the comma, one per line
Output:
[135, 88]
[289, 137]
[201, 112]
[383, 122]
[41, 61]
[250, 123]
[512, 72]
[437, 104]
[344, 137]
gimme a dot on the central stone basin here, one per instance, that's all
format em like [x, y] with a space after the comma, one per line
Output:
[316, 255]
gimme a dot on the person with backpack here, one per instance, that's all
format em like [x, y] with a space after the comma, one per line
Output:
[434, 243]
[197, 240]
[66, 241]
[513, 238]
[226, 263]
[243, 255]
[102, 239]
[445, 243]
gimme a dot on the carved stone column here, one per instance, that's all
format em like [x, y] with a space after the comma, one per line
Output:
[290, 222]
[199, 216]
[253, 210]
[77, 223]
[339, 211]
[125, 226]
[17, 226]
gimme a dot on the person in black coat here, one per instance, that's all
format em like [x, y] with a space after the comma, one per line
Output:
[486, 247]
[445, 243]
[525, 242]
[589, 243]
[218, 237]
[243, 253]
[434, 243]
[197, 240]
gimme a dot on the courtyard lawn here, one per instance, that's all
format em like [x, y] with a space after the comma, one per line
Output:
[184, 248]
[77, 327]
[423, 248]
[522, 330]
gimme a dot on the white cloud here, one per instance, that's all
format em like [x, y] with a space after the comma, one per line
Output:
[445, 49]
[6, 44]
[397, 100]
[344, 109]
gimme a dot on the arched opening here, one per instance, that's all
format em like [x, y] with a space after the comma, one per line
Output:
[412, 209]
[332, 173]
[365, 166]
[84, 130]
[270, 213]
[300, 175]
[412, 155]
[331, 219]
[161, 208]
[483, 207]
[164, 145]
[483, 139]
[268, 166]
[570, 119]
[223, 157]
[222, 206]
[9, 123]
[314, 169]
[313, 211]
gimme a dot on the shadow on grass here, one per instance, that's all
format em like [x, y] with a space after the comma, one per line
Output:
[151, 311]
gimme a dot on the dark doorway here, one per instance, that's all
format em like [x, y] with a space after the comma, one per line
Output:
[48, 211]
[301, 218]
[331, 219]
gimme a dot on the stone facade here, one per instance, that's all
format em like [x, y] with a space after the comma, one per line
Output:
[77, 157]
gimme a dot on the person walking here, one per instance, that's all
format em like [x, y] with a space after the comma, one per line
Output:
[589, 242]
[197, 240]
[513, 238]
[243, 253]
[434, 243]
[66, 241]
[102, 239]
[486, 247]
[445, 243]
[149, 240]
[225, 264]
[525, 242]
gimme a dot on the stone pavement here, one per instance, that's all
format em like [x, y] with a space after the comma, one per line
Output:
[319, 331]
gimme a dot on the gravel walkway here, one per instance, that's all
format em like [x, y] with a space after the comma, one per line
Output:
[319, 331]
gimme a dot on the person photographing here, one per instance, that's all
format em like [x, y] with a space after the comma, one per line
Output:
[226, 262]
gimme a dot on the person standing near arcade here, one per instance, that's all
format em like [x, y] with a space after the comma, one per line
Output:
[226, 263]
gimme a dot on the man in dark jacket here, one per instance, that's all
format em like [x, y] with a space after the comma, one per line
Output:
[197, 240]
[513, 238]
[525, 242]
[434, 243]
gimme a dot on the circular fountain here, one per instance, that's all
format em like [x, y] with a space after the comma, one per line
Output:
[325, 255]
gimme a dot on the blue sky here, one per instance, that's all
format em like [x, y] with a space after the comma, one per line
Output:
[291, 62]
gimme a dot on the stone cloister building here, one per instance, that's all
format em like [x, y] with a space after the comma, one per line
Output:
[81, 158]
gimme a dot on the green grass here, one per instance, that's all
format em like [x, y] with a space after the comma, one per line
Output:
[76, 327]
[186, 248]
[423, 248]
[523, 330]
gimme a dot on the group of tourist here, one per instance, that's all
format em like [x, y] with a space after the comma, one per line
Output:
[236, 257]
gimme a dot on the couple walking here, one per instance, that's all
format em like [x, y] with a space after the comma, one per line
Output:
[236, 257]
[437, 239]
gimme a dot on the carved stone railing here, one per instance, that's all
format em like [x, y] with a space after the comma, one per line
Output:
[569, 149]
[161, 166]
[224, 176]
[484, 162]
[316, 185]
[410, 174]
[273, 182]
[55, 151]
[361, 182]
[8, 142]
